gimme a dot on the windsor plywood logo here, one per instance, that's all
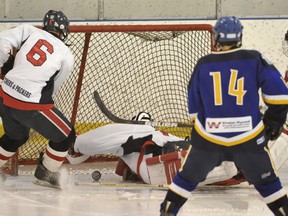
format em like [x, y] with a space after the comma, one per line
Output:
[214, 124]
[228, 125]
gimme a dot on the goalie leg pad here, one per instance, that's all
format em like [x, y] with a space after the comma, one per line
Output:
[279, 151]
[225, 171]
[162, 169]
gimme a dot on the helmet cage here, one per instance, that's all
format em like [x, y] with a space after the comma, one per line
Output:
[142, 116]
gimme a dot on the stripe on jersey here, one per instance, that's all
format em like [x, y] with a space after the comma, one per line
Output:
[275, 99]
[57, 121]
[275, 196]
[232, 141]
[22, 105]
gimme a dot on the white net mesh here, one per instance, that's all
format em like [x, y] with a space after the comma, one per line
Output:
[285, 47]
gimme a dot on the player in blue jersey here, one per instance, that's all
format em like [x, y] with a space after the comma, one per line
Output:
[223, 97]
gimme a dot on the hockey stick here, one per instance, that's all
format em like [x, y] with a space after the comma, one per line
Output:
[126, 185]
[158, 186]
[116, 119]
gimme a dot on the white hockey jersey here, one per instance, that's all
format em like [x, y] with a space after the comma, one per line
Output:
[109, 138]
[42, 64]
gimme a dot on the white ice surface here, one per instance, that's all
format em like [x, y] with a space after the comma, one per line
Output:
[20, 197]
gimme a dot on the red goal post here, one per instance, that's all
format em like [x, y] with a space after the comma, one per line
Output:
[134, 68]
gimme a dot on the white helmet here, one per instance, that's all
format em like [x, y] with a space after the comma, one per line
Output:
[142, 116]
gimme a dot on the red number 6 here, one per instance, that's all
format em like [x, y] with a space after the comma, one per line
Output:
[36, 55]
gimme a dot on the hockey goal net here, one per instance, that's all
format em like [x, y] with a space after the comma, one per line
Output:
[134, 68]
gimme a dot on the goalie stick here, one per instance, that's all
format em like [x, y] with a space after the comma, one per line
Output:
[116, 119]
[123, 185]
[165, 187]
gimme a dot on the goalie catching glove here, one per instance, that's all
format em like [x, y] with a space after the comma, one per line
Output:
[8, 65]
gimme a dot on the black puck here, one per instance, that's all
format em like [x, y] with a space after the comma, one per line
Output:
[96, 175]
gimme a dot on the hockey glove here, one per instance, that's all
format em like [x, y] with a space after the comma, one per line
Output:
[154, 149]
[174, 146]
[273, 128]
[8, 65]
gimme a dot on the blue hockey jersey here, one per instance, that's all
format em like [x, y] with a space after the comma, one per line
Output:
[223, 95]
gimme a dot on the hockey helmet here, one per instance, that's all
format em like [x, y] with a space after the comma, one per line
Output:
[56, 21]
[142, 116]
[228, 29]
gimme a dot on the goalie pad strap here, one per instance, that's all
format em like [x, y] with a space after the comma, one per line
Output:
[166, 157]
[141, 155]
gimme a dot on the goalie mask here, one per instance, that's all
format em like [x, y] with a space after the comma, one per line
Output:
[56, 21]
[142, 116]
[228, 31]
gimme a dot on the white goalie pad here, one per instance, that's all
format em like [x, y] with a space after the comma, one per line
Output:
[225, 171]
[279, 150]
[162, 169]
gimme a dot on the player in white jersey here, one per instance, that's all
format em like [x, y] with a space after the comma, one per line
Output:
[134, 144]
[41, 65]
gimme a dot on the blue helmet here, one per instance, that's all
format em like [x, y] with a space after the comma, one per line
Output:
[56, 21]
[228, 29]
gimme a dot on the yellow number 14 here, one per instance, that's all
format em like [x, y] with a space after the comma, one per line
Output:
[236, 87]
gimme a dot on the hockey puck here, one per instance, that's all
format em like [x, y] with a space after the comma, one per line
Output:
[96, 175]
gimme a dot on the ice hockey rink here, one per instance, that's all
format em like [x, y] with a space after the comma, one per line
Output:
[19, 196]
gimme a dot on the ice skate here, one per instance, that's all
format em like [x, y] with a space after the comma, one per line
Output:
[44, 177]
[167, 208]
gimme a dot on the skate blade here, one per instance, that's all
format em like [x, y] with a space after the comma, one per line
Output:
[45, 184]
